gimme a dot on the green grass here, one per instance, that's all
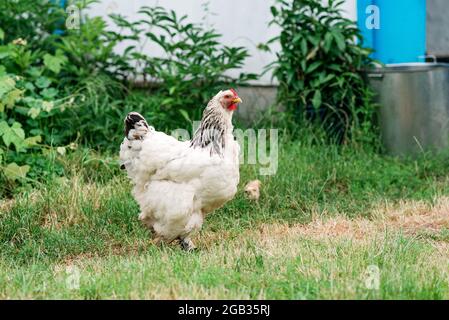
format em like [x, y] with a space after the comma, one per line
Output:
[272, 249]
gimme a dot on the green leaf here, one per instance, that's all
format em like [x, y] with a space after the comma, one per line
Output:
[47, 106]
[13, 171]
[327, 78]
[304, 47]
[43, 82]
[335, 67]
[33, 102]
[185, 115]
[2, 34]
[5, 51]
[34, 72]
[17, 129]
[49, 93]
[313, 39]
[6, 84]
[29, 86]
[34, 112]
[32, 141]
[54, 63]
[339, 39]
[327, 42]
[10, 99]
[3, 127]
[36, 132]
[274, 11]
[313, 66]
[167, 101]
[263, 47]
[316, 101]
[12, 135]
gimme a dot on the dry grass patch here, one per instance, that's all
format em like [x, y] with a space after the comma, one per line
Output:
[6, 205]
[418, 216]
[408, 217]
[66, 207]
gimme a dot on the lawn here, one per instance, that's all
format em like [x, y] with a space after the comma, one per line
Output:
[324, 221]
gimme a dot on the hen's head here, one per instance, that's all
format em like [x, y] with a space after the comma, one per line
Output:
[228, 99]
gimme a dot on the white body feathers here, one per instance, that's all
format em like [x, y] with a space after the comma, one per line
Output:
[177, 184]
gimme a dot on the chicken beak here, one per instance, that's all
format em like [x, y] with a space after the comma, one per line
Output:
[237, 100]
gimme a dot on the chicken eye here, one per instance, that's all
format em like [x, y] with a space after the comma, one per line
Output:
[227, 96]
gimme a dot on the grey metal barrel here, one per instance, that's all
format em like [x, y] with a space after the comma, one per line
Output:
[414, 106]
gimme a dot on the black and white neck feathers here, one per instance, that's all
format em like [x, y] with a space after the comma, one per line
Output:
[215, 126]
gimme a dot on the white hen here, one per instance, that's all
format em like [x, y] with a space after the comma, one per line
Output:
[177, 183]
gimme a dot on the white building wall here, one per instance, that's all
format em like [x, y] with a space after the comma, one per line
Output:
[241, 22]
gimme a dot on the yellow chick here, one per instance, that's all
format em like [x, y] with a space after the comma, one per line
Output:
[252, 190]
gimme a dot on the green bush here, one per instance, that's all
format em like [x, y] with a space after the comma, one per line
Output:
[29, 95]
[90, 50]
[320, 68]
[192, 65]
[33, 20]
[172, 88]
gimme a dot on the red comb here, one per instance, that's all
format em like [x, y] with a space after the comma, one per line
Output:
[234, 92]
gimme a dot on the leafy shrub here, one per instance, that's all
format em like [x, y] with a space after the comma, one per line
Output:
[12, 135]
[90, 50]
[192, 65]
[320, 67]
[175, 86]
[60, 73]
[28, 96]
[33, 20]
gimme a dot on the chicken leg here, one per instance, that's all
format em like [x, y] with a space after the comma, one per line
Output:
[187, 244]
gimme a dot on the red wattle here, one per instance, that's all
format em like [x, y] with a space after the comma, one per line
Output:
[232, 107]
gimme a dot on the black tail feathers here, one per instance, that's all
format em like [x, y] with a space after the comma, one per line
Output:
[133, 120]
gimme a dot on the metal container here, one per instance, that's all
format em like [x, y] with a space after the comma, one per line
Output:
[414, 106]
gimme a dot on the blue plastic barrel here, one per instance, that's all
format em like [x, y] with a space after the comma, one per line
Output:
[62, 3]
[400, 35]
